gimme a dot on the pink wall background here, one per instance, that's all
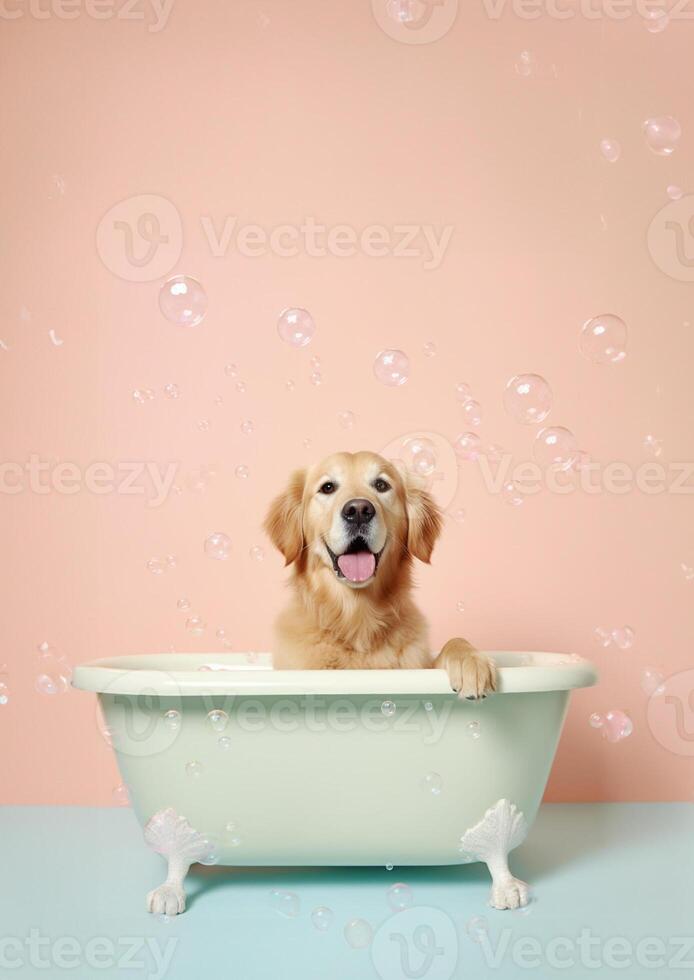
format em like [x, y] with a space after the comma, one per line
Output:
[275, 112]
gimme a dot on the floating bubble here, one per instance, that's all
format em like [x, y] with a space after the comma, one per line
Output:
[392, 368]
[494, 452]
[221, 635]
[315, 363]
[143, 395]
[655, 21]
[472, 412]
[218, 719]
[511, 494]
[463, 391]
[595, 720]
[218, 546]
[420, 455]
[555, 447]
[610, 149]
[54, 671]
[473, 729]
[242, 472]
[286, 903]
[247, 427]
[401, 11]
[257, 553]
[194, 769]
[429, 349]
[459, 515]
[157, 566]
[526, 64]
[652, 681]
[4, 693]
[674, 192]
[432, 783]
[296, 327]
[322, 917]
[346, 419]
[616, 725]
[240, 386]
[653, 445]
[211, 855]
[224, 742]
[389, 867]
[460, 606]
[316, 378]
[358, 933]
[603, 636]
[399, 896]
[120, 796]
[687, 571]
[172, 720]
[203, 425]
[604, 339]
[428, 706]
[468, 446]
[183, 301]
[196, 625]
[388, 709]
[183, 605]
[290, 385]
[171, 391]
[528, 398]
[477, 928]
[231, 370]
[623, 637]
[662, 134]
[306, 443]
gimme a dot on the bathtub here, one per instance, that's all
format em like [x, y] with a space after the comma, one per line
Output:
[229, 762]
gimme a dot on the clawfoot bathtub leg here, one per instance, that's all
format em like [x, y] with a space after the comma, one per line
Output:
[502, 828]
[182, 845]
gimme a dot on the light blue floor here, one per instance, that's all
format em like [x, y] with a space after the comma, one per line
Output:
[613, 895]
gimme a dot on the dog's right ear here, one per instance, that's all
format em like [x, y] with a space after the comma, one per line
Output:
[283, 523]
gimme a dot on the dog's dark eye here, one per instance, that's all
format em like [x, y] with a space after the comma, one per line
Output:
[381, 486]
[328, 487]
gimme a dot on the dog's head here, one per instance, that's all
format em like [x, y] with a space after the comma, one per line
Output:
[355, 516]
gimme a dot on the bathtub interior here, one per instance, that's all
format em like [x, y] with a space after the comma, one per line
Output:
[278, 770]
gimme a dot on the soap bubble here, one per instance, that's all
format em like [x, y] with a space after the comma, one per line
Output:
[211, 855]
[555, 447]
[171, 391]
[623, 637]
[473, 729]
[687, 571]
[652, 681]
[468, 446]
[459, 515]
[392, 367]
[194, 769]
[196, 625]
[653, 445]
[604, 339]
[221, 635]
[616, 725]
[120, 795]
[231, 370]
[54, 671]
[526, 64]
[257, 553]
[143, 395]
[399, 896]
[388, 709]
[172, 720]
[157, 566]
[183, 605]
[603, 636]
[296, 327]
[240, 386]
[247, 427]
[420, 455]
[358, 933]
[429, 350]
[286, 903]
[432, 783]
[203, 425]
[218, 546]
[322, 918]
[476, 928]
[428, 706]
[511, 494]
[218, 719]
[242, 472]
[494, 452]
[463, 391]
[472, 412]
[674, 192]
[662, 134]
[528, 398]
[224, 742]
[401, 11]
[346, 419]
[183, 301]
[290, 385]
[460, 606]
[315, 363]
[389, 867]
[595, 720]
[655, 21]
[4, 693]
[610, 149]
[316, 378]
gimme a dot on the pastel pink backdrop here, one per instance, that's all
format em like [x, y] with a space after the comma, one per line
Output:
[273, 112]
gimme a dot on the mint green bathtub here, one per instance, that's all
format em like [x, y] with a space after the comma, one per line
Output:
[362, 767]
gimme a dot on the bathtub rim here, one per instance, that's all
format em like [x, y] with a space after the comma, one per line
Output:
[233, 675]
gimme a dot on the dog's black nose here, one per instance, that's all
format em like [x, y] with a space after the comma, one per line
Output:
[358, 511]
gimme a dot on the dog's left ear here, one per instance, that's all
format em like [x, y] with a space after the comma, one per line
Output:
[424, 522]
[283, 523]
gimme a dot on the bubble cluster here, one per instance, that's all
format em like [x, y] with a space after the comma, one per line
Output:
[392, 368]
[218, 546]
[296, 327]
[528, 398]
[183, 301]
[603, 339]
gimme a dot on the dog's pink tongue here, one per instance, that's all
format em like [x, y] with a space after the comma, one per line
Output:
[358, 567]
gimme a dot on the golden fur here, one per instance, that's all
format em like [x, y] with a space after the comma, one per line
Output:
[330, 625]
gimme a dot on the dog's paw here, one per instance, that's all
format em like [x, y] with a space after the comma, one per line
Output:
[509, 893]
[166, 900]
[472, 674]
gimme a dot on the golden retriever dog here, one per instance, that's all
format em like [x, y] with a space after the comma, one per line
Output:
[351, 527]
